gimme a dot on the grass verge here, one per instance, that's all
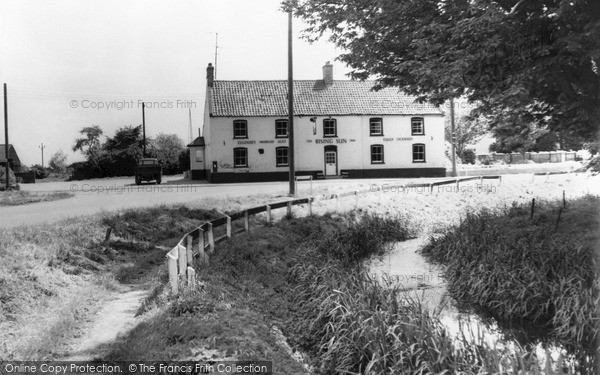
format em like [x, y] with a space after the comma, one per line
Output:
[537, 277]
[20, 197]
[53, 276]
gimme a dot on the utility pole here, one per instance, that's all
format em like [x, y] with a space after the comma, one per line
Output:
[42, 147]
[144, 128]
[453, 133]
[291, 104]
[6, 136]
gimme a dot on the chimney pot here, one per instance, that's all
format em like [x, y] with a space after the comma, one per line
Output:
[328, 73]
[210, 75]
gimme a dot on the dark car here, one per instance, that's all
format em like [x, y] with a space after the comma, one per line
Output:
[148, 169]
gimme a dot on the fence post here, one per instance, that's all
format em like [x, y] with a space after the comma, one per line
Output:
[289, 209]
[173, 277]
[268, 214]
[182, 262]
[202, 257]
[246, 221]
[190, 250]
[457, 186]
[356, 199]
[481, 181]
[310, 200]
[191, 277]
[499, 180]
[431, 188]
[229, 227]
[211, 238]
[337, 202]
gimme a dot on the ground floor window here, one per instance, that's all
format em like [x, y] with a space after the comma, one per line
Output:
[199, 156]
[376, 154]
[282, 156]
[419, 152]
[240, 157]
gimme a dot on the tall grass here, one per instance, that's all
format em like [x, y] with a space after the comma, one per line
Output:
[538, 284]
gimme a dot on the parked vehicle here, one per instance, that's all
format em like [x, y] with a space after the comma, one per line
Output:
[148, 169]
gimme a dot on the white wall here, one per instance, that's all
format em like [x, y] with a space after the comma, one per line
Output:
[353, 143]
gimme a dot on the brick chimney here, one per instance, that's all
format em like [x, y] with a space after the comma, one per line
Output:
[328, 73]
[210, 75]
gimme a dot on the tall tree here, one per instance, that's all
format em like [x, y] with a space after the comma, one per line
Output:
[167, 148]
[58, 162]
[468, 130]
[89, 145]
[516, 57]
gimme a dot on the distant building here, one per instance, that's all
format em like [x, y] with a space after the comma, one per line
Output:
[13, 159]
[341, 128]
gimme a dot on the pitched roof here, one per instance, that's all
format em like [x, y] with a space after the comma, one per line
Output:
[197, 142]
[12, 154]
[312, 98]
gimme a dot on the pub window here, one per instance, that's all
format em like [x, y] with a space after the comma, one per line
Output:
[240, 157]
[418, 153]
[281, 128]
[376, 126]
[329, 127]
[417, 126]
[376, 154]
[282, 156]
[240, 129]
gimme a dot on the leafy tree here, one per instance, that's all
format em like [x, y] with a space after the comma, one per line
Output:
[468, 130]
[58, 162]
[518, 58]
[167, 148]
[122, 152]
[90, 144]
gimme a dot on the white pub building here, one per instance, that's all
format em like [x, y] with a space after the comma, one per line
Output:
[341, 128]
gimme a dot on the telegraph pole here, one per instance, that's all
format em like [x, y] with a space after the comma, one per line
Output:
[291, 104]
[216, 53]
[42, 147]
[6, 136]
[144, 128]
[453, 133]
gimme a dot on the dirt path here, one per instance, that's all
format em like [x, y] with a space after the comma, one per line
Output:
[115, 318]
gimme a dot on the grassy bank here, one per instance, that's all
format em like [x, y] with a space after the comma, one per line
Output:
[20, 197]
[537, 277]
[54, 276]
[306, 277]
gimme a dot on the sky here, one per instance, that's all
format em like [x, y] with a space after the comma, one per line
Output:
[69, 64]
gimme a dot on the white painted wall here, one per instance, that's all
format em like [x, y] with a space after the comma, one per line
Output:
[354, 153]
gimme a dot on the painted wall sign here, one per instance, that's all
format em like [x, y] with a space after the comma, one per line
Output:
[404, 139]
[246, 142]
[271, 141]
[332, 140]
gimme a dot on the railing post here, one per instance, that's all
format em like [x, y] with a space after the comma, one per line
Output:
[289, 209]
[229, 227]
[191, 277]
[268, 214]
[211, 238]
[190, 250]
[173, 277]
[246, 221]
[182, 262]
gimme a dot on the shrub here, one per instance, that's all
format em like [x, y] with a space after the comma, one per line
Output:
[468, 156]
[12, 181]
